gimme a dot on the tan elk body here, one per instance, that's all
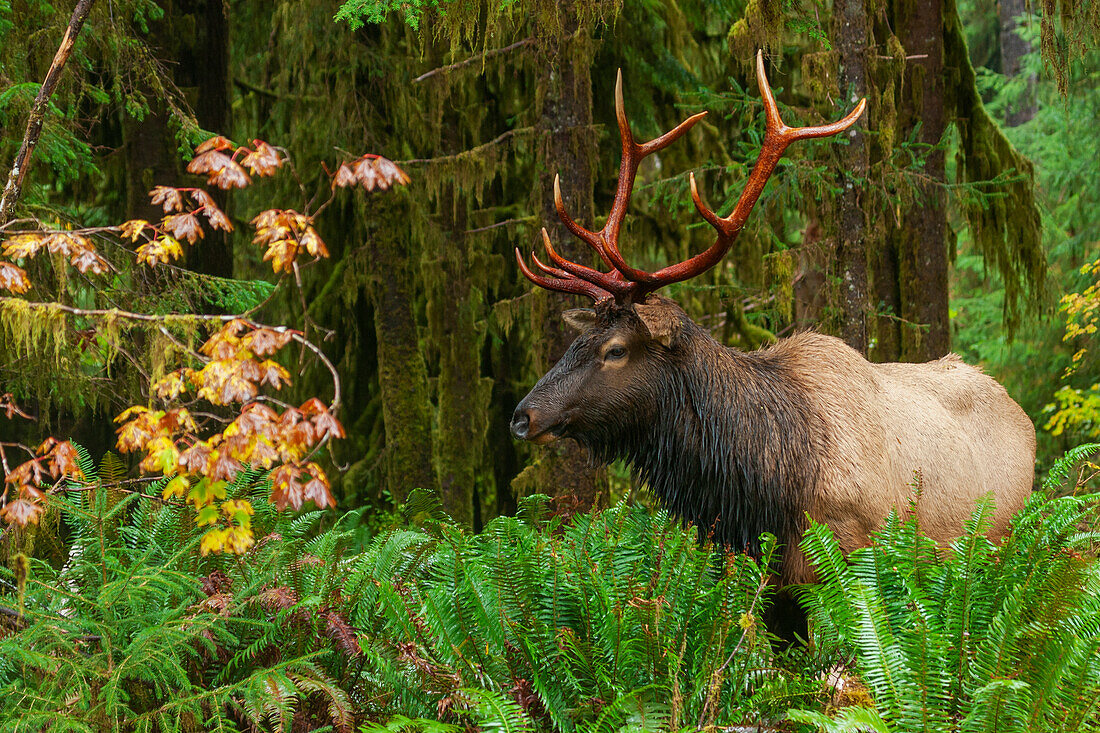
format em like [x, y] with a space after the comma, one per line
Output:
[744, 443]
[944, 423]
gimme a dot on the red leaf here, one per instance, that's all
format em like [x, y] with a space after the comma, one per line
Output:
[195, 458]
[285, 488]
[170, 199]
[224, 467]
[183, 226]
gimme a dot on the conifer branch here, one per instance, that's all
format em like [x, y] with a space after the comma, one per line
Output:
[35, 120]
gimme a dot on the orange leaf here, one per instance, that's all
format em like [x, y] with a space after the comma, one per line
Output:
[195, 458]
[366, 174]
[230, 176]
[24, 246]
[65, 461]
[274, 374]
[327, 426]
[285, 488]
[264, 341]
[256, 418]
[389, 171]
[133, 228]
[21, 512]
[264, 160]
[223, 467]
[313, 244]
[317, 488]
[282, 255]
[13, 278]
[344, 177]
[214, 143]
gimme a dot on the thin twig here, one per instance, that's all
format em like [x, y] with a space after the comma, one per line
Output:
[473, 59]
[505, 223]
[14, 187]
[472, 151]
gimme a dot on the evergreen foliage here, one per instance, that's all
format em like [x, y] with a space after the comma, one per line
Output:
[978, 637]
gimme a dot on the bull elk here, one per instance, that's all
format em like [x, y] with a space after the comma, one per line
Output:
[745, 443]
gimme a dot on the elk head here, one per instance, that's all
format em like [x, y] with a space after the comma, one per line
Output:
[632, 337]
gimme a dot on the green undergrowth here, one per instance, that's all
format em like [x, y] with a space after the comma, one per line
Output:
[609, 621]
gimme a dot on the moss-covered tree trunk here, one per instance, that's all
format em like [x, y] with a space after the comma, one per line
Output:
[457, 325]
[566, 147]
[852, 33]
[402, 375]
[922, 240]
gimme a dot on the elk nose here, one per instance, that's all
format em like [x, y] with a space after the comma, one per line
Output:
[521, 423]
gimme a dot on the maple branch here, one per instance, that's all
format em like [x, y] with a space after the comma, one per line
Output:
[35, 120]
[335, 404]
[473, 59]
[185, 317]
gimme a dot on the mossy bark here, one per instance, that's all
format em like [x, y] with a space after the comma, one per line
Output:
[402, 374]
[567, 147]
[457, 325]
[922, 236]
[852, 33]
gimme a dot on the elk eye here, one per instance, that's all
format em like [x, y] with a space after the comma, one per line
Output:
[615, 352]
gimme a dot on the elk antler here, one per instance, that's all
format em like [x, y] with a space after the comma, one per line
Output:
[623, 282]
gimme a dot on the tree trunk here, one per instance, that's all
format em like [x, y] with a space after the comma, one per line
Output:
[568, 148]
[458, 330]
[922, 251]
[1013, 49]
[852, 32]
[402, 375]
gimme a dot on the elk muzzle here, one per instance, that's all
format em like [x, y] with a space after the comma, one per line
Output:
[529, 423]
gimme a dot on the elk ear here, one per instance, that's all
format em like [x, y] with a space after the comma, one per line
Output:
[581, 319]
[661, 322]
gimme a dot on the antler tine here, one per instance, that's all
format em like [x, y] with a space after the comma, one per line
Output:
[566, 284]
[633, 154]
[604, 281]
[592, 239]
[776, 139]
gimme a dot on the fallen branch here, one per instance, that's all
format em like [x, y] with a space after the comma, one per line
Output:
[14, 187]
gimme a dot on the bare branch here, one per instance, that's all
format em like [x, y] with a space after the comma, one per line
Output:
[14, 186]
[474, 59]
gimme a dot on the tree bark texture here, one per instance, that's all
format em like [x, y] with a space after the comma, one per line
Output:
[458, 331]
[852, 32]
[922, 238]
[566, 148]
[13, 189]
[402, 374]
[1013, 48]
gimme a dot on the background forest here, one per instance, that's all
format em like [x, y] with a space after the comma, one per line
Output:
[323, 198]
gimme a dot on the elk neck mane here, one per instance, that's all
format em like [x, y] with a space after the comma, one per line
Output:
[730, 442]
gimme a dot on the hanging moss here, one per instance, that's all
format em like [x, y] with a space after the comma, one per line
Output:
[761, 26]
[998, 193]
